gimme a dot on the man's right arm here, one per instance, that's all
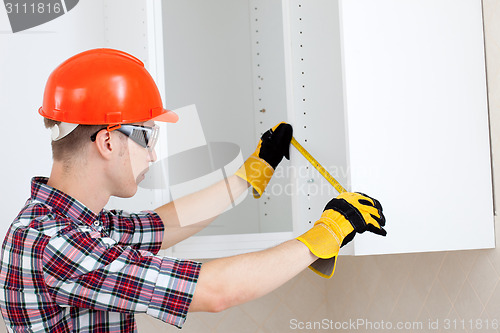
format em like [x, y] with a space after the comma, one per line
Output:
[231, 281]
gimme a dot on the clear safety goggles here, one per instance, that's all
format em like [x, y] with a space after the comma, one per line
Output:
[144, 136]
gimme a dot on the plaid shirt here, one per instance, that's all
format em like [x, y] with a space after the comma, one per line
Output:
[66, 269]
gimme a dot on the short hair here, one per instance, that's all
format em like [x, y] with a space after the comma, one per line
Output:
[66, 148]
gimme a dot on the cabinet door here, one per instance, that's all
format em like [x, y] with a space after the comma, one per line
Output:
[417, 121]
[390, 97]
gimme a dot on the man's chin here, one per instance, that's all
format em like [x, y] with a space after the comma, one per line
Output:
[129, 193]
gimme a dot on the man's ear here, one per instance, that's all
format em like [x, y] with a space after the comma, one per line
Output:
[104, 144]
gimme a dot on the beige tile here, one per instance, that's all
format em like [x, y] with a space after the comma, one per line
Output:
[340, 308]
[355, 303]
[284, 290]
[347, 268]
[280, 321]
[236, 321]
[424, 322]
[209, 320]
[383, 302]
[409, 304]
[468, 305]
[483, 277]
[369, 277]
[451, 276]
[453, 323]
[485, 324]
[493, 305]
[396, 269]
[260, 309]
[494, 255]
[304, 298]
[338, 288]
[322, 313]
[437, 304]
[468, 259]
[425, 270]
[193, 324]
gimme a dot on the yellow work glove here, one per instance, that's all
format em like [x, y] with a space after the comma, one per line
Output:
[342, 218]
[259, 167]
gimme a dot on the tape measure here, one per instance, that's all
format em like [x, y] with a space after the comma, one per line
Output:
[318, 166]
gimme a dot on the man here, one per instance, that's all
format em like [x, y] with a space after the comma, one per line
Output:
[69, 265]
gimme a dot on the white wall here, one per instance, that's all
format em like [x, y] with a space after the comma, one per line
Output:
[26, 60]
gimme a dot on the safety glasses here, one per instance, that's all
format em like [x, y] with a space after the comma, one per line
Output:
[144, 136]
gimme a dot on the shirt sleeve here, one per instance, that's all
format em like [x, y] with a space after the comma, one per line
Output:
[84, 270]
[142, 231]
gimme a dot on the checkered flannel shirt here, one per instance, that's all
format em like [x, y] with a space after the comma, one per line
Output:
[66, 269]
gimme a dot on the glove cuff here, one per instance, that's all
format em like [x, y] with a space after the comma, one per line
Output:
[321, 241]
[257, 172]
[324, 244]
[324, 267]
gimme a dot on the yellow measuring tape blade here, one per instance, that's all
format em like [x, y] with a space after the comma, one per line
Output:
[318, 166]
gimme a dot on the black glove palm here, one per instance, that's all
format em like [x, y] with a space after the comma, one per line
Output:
[275, 144]
[361, 213]
[259, 167]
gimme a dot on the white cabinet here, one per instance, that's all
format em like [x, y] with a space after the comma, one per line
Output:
[417, 121]
[389, 96]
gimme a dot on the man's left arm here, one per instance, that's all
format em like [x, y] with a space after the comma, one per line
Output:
[188, 215]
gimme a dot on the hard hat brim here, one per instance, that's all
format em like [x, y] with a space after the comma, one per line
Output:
[167, 116]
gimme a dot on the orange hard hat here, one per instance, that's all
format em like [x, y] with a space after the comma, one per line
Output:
[103, 86]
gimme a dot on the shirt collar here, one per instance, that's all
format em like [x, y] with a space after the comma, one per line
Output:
[60, 201]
